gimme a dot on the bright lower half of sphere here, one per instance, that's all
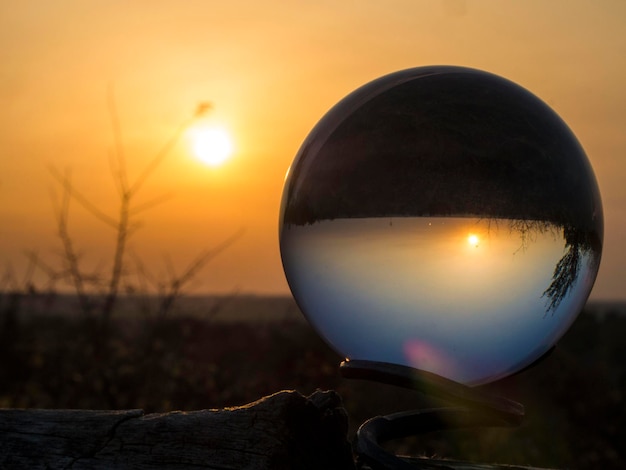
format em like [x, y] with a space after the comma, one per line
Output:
[415, 291]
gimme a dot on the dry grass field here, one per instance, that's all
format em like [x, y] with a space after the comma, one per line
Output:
[212, 352]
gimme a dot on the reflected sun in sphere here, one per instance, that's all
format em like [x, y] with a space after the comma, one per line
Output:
[211, 145]
[473, 240]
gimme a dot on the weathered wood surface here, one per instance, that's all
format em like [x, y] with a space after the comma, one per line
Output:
[283, 431]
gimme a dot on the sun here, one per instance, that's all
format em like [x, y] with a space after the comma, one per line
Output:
[212, 145]
[473, 240]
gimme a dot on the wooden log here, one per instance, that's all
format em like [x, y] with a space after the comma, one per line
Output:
[283, 431]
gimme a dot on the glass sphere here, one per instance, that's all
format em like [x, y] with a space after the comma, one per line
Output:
[441, 218]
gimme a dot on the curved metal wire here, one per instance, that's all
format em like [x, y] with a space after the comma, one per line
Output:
[469, 408]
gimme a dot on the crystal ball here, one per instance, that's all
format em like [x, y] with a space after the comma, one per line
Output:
[441, 218]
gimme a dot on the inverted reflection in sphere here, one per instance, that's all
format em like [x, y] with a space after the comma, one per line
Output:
[441, 218]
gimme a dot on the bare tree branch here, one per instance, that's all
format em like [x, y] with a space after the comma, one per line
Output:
[9, 281]
[143, 275]
[207, 256]
[150, 204]
[169, 266]
[70, 256]
[27, 281]
[158, 158]
[124, 224]
[82, 200]
[113, 166]
[177, 283]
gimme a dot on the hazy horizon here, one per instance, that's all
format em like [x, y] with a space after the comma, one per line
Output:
[270, 72]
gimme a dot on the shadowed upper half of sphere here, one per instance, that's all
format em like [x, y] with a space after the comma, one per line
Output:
[442, 141]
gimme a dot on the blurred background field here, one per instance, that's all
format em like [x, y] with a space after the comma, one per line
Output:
[219, 351]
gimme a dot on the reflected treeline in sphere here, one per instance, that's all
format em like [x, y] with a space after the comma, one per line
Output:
[442, 218]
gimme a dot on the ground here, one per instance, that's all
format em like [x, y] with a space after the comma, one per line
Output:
[574, 399]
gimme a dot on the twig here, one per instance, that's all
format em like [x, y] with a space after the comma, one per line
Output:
[82, 200]
[71, 259]
[178, 282]
[150, 204]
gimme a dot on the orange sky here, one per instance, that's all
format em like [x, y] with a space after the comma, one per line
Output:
[271, 69]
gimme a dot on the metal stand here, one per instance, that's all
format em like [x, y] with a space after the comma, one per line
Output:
[468, 408]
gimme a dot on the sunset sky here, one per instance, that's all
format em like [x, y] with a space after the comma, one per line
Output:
[271, 70]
